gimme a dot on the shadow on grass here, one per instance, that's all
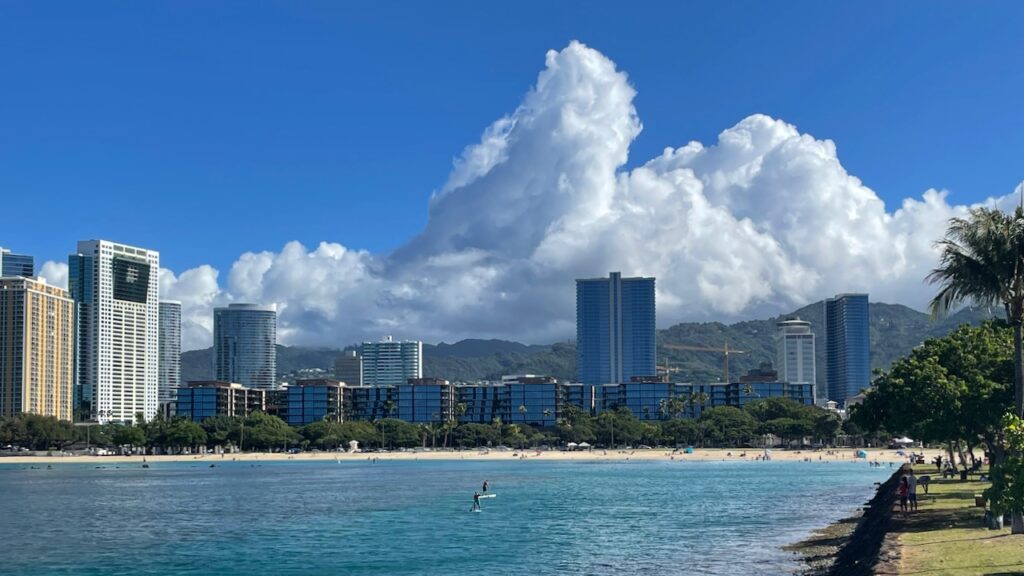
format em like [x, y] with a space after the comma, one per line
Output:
[940, 519]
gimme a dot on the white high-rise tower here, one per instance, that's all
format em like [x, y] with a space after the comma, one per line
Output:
[795, 346]
[117, 295]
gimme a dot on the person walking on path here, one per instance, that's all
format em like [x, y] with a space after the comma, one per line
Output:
[904, 491]
[912, 490]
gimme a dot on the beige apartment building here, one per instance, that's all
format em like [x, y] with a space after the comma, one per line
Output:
[36, 348]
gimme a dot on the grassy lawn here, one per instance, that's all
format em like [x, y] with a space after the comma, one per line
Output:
[947, 536]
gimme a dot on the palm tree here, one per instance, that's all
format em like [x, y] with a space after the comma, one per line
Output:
[460, 411]
[982, 262]
[434, 417]
[522, 412]
[698, 399]
[387, 409]
[670, 408]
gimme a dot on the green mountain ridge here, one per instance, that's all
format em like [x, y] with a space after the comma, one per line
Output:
[895, 331]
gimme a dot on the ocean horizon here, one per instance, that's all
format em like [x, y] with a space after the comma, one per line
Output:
[413, 517]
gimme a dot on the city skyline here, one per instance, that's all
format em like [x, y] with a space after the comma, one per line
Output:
[810, 202]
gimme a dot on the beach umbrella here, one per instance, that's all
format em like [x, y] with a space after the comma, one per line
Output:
[903, 440]
[571, 445]
[584, 445]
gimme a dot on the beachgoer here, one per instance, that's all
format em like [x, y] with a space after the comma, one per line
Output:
[485, 486]
[904, 491]
[476, 501]
[912, 490]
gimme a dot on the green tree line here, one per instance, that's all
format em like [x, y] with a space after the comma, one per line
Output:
[716, 427]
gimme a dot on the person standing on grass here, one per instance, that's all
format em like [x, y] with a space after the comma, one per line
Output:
[904, 491]
[912, 490]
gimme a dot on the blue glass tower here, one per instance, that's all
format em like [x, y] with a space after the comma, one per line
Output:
[245, 344]
[12, 264]
[847, 355]
[615, 329]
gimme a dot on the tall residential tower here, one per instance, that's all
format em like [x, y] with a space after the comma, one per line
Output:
[170, 354]
[37, 336]
[391, 363]
[615, 329]
[794, 343]
[245, 345]
[847, 340]
[117, 293]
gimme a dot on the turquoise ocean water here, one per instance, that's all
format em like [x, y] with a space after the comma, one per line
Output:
[357, 518]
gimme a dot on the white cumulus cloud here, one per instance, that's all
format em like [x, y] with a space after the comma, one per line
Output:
[764, 220]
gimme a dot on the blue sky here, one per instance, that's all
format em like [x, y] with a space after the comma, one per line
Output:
[246, 125]
[235, 137]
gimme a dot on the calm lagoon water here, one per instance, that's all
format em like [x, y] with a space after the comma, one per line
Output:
[359, 518]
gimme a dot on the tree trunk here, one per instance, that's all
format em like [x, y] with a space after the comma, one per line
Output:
[1018, 370]
[960, 451]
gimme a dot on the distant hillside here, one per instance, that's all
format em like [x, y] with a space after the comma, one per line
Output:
[479, 348]
[895, 330]
[468, 359]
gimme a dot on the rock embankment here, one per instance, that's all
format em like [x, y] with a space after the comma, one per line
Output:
[853, 546]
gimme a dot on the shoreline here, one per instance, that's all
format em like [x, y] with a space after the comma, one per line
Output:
[699, 455]
[854, 545]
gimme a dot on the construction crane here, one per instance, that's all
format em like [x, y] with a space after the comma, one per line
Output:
[725, 350]
[668, 370]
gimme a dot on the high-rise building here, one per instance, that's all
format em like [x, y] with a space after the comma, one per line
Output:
[391, 363]
[37, 337]
[794, 343]
[847, 340]
[12, 264]
[170, 353]
[116, 290]
[245, 344]
[615, 329]
[349, 368]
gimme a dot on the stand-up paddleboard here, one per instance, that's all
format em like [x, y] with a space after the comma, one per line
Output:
[487, 496]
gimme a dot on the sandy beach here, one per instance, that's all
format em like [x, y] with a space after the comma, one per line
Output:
[698, 455]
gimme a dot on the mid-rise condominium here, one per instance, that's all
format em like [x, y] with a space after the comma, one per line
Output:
[847, 340]
[794, 344]
[391, 363]
[12, 264]
[245, 344]
[170, 353]
[615, 329]
[116, 290]
[37, 337]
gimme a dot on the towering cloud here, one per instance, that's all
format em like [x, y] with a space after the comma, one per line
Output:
[764, 220]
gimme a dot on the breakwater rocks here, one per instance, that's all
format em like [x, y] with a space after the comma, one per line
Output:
[853, 546]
